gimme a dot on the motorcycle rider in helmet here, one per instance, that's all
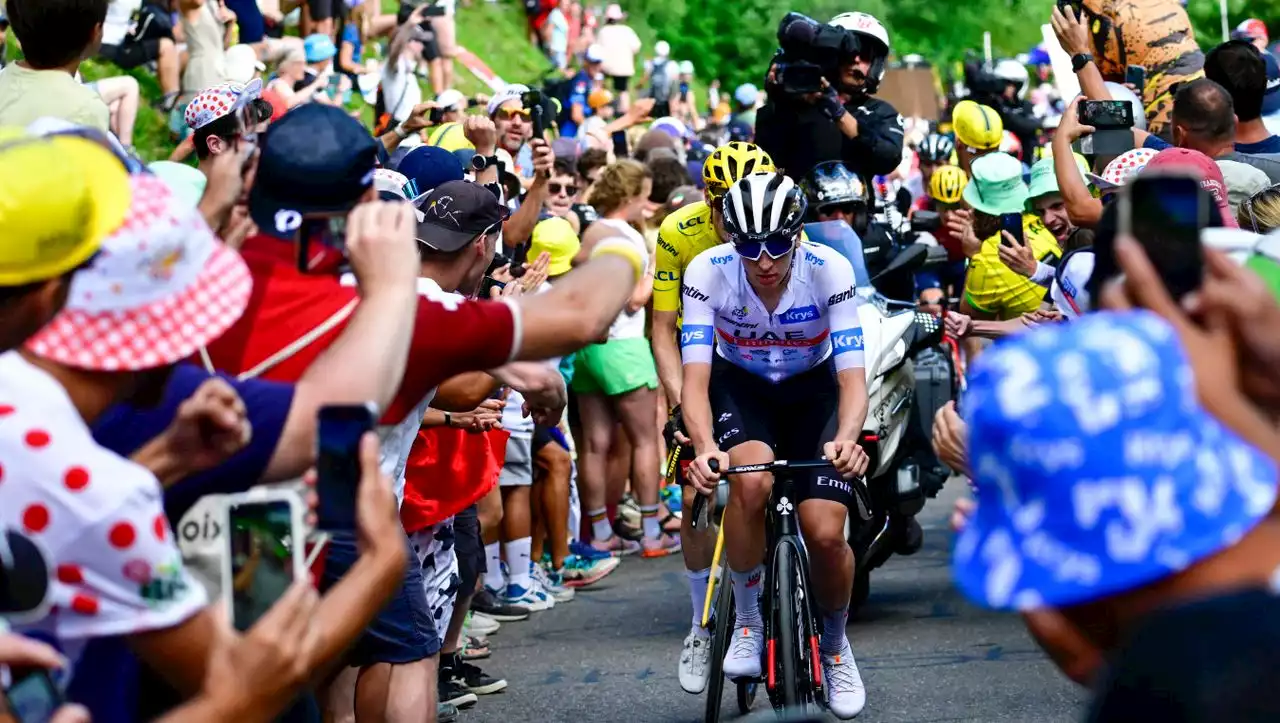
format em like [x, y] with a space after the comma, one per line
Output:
[1017, 113]
[842, 122]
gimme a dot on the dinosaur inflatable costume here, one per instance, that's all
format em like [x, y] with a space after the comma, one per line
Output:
[1155, 34]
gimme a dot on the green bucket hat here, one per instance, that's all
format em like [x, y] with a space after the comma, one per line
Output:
[1265, 262]
[1045, 181]
[186, 182]
[995, 185]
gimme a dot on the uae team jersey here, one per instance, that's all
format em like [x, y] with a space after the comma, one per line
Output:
[816, 318]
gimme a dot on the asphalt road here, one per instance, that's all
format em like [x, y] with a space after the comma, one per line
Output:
[926, 655]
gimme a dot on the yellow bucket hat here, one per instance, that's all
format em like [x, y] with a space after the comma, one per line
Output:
[556, 237]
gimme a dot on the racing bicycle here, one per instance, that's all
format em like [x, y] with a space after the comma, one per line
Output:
[792, 667]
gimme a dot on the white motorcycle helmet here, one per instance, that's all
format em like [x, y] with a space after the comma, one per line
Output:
[1121, 92]
[867, 26]
[1011, 71]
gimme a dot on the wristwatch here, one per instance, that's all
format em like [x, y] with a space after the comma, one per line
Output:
[479, 162]
[1079, 60]
[448, 419]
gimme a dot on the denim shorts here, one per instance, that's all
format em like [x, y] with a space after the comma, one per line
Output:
[404, 631]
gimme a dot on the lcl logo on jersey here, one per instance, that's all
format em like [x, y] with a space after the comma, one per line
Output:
[695, 221]
[665, 276]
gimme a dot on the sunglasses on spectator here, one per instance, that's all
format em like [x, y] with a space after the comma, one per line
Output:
[1247, 206]
[507, 114]
[568, 189]
[775, 246]
[849, 209]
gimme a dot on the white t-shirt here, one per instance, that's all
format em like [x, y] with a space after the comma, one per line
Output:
[628, 325]
[619, 43]
[119, 20]
[400, 89]
[98, 517]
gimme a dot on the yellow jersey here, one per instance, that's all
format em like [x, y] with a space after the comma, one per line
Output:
[683, 235]
[995, 288]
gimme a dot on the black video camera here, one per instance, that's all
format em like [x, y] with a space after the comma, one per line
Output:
[810, 50]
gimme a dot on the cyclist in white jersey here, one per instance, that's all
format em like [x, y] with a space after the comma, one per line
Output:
[773, 368]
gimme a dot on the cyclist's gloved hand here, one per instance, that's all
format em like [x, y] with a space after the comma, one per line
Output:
[830, 105]
[674, 431]
[700, 475]
[848, 457]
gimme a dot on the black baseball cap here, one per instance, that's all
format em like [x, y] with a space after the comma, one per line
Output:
[455, 213]
[315, 159]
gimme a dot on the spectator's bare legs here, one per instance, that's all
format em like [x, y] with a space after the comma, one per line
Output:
[381, 25]
[436, 68]
[168, 71]
[551, 494]
[635, 409]
[121, 96]
[597, 437]
[446, 37]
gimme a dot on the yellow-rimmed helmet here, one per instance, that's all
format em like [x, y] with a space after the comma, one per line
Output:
[730, 163]
[947, 184]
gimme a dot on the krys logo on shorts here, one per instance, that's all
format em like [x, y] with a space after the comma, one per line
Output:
[799, 315]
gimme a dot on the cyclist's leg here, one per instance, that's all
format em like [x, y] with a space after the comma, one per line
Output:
[698, 547]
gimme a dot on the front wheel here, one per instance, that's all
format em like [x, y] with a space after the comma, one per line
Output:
[722, 628]
[792, 624]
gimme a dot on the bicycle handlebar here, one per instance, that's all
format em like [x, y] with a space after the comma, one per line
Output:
[700, 502]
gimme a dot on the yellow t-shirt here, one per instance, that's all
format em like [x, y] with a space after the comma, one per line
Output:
[995, 288]
[27, 95]
[683, 235]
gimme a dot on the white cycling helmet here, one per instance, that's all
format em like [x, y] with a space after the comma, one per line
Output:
[1121, 92]
[662, 49]
[1011, 71]
[868, 26]
[686, 67]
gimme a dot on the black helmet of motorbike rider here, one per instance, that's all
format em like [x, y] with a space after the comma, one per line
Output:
[861, 73]
[934, 152]
[837, 194]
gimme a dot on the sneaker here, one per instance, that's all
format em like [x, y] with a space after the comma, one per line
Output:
[453, 693]
[472, 679]
[617, 546]
[488, 603]
[551, 582]
[446, 713]
[482, 624]
[695, 661]
[845, 694]
[579, 571]
[666, 544]
[743, 658]
[587, 552]
[670, 496]
[533, 597]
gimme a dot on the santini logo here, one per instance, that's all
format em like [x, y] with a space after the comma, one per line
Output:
[842, 296]
[799, 315]
[693, 293]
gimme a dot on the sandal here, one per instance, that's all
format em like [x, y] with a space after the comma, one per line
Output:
[474, 648]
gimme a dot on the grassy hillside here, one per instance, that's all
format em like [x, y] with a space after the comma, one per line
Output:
[493, 31]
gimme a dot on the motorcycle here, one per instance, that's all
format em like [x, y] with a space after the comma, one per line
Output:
[910, 375]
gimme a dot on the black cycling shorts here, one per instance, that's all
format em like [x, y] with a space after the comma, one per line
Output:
[131, 53]
[620, 82]
[323, 9]
[795, 417]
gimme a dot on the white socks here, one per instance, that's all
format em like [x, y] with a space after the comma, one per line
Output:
[698, 581]
[493, 578]
[833, 631]
[746, 596]
[601, 530]
[649, 521]
[517, 552]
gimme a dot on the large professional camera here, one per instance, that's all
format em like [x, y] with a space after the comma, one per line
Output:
[809, 51]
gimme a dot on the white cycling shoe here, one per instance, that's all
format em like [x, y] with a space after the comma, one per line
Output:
[745, 648]
[845, 694]
[695, 663]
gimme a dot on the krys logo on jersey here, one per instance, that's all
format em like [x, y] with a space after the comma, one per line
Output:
[799, 315]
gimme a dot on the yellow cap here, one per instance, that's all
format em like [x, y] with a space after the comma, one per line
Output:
[977, 126]
[555, 236]
[449, 136]
[59, 197]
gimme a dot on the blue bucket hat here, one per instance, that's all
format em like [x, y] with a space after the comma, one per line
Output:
[1095, 467]
[319, 47]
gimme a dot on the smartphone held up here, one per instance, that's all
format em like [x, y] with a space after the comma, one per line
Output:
[339, 430]
[1165, 213]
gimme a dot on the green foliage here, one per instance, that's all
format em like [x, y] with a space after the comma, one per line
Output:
[1206, 18]
[733, 41]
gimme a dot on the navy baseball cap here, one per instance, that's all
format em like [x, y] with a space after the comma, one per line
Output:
[1096, 469]
[428, 167]
[315, 160]
[1271, 98]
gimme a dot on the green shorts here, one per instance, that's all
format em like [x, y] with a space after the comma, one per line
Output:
[615, 367]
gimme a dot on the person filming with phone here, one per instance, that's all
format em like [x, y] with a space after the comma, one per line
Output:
[822, 104]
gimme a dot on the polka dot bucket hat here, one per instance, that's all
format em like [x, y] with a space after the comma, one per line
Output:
[219, 101]
[1122, 169]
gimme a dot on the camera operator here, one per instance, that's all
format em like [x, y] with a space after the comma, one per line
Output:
[821, 103]
[1004, 89]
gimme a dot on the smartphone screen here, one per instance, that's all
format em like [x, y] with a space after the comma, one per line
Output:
[261, 537]
[1012, 222]
[1165, 214]
[1106, 113]
[338, 463]
[33, 697]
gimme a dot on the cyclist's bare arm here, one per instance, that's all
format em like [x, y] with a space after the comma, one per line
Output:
[666, 353]
[853, 402]
[696, 405]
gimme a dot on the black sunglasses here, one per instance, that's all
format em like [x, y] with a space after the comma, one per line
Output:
[568, 189]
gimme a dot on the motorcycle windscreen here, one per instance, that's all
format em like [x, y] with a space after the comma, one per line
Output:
[840, 236]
